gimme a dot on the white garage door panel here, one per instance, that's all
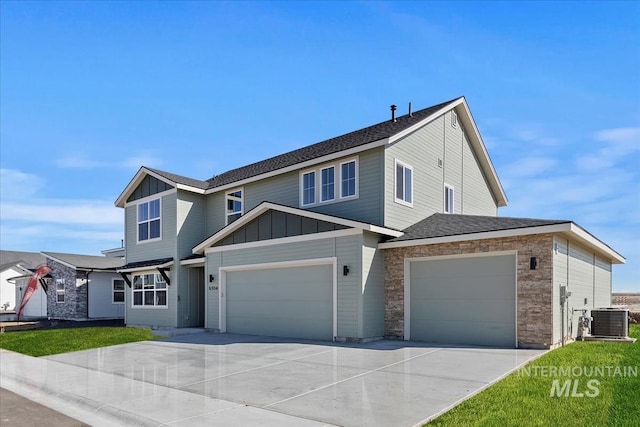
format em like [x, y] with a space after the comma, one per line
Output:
[467, 300]
[286, 302]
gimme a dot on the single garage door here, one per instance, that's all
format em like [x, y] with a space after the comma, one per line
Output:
[469, 300]
[281, 302]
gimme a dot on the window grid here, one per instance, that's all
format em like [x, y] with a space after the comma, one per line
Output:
[234, 206]
[149, 290]
[149, 220]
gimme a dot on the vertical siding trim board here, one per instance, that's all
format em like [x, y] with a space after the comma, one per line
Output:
[222, 274]
[407, 283]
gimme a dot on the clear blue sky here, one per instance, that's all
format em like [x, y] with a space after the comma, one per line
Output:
[90, 91]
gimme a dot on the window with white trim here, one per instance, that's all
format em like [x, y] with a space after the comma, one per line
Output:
[59, 290]
[449, 205]
[149, 220]
[234, 204]
[309, 188]
[348, 179]
[404, 184]
[117, 291]
[149, 290]
[327, 184]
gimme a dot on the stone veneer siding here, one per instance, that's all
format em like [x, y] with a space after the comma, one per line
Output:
[534, 287]
[75, 297]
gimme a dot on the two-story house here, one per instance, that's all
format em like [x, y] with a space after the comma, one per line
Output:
[391, 230]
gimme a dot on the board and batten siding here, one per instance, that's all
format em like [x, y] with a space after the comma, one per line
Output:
[372, 323]
[423, 150]
[346, 249]
[588, 278]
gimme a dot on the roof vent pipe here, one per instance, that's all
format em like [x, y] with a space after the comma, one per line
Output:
[393, 113]
[410, 113]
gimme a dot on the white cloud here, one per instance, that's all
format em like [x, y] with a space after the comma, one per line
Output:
[62, 212]
[529, 167]
[615, 145]
[15, 184]
[85, 162]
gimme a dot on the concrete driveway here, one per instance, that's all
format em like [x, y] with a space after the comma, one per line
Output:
[214, 379]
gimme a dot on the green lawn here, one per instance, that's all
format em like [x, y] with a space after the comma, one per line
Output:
[524, 398]
[55, 341]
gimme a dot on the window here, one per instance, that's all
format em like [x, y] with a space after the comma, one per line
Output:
[448, 199]
[404, 184]
[348, 179]
[234, 205]
[59, 290]
[328, 184]
[118, 291]
[308, 188]
[149, 220]
[149, 290]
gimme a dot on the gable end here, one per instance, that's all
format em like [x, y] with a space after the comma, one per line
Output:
[149, 186]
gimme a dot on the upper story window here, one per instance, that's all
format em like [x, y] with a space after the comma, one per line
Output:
[149, 290]
[329, 182]
[309, 188]
[149, 220]
[348, 179]
[449, 205]
[118, 291]
[234, 206]
[404, 184]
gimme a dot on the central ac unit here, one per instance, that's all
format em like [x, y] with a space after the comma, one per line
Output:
[610, 322]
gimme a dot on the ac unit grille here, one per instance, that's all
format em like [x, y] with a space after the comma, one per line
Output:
[610, 322]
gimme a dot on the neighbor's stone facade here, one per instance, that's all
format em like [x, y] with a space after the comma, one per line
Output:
[75, 295]
[534, 287]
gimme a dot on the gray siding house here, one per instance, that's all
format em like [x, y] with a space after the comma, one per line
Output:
[391, 230]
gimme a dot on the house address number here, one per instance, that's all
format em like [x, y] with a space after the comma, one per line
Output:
[213, 287]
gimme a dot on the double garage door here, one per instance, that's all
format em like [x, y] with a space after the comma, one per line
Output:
[293, 302]
[468, 300]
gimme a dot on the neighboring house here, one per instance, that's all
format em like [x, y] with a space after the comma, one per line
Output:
[15, 271]
[84, 287]
[391, 230]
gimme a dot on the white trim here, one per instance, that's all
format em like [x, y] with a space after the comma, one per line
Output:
[150, 268]
[63, 292]
[148, 220]
[395, 182]
[265, 206]
[445, 207]
[309, 164]
[113, 290]
[193, 262]
[190, 188]
[569, 229]
[454, 118]
[137, 180]
[285, 240]
[223, 270]
[228, 197]
[335, 174]
[150, 197]
[155, 274]
[315, 187]
[407, 283]
[355, 160]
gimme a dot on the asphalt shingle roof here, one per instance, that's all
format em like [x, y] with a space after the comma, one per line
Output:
[25, 259]
[344, 142]
[179, 179]
[443, 225]
[88, 261]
